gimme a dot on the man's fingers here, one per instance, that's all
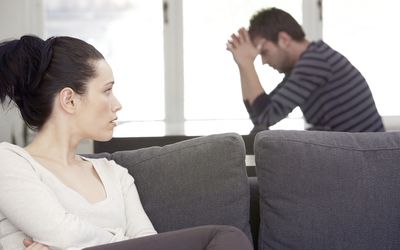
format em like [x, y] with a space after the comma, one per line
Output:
[242, 34]
[242, 37]
[246, 35]
[235, 39]
[230, 45]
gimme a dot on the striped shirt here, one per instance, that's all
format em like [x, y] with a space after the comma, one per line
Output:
[330, 91]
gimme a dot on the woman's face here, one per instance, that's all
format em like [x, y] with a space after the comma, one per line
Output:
[97, 116]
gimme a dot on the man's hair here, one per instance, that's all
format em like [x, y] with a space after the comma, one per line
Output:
[267, 23]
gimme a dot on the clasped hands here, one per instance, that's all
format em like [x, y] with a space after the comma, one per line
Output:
[242, 48]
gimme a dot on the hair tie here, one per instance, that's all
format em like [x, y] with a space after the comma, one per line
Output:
[46, 54]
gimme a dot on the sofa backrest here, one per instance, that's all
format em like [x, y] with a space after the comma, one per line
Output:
[190, 183]
[328, 190]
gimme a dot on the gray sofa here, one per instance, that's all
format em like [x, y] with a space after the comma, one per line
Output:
[200, 181]
[315, 190]
[328, 190]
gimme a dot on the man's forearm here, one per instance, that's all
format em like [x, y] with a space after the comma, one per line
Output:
[251, 86]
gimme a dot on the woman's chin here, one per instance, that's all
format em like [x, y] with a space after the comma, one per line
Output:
[104, 137]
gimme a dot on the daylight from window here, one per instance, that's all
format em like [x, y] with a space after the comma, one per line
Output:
[368, 36]
[130, 34]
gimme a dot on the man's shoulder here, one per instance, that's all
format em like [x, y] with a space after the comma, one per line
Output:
[320, 52]
[318, 46]
[315, 56]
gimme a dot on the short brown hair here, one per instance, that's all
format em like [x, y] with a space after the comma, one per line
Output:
[267, 23]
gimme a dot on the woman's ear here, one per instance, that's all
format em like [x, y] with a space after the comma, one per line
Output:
[68, 100]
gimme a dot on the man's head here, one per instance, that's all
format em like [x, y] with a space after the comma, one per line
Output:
[267, 24]
[274, 32]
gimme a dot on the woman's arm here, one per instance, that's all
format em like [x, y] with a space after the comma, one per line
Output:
[138, 223]
[34, 209]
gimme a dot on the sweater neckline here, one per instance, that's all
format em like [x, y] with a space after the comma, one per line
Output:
[25, 154]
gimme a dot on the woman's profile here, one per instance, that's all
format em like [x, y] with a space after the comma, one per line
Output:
[52, 198]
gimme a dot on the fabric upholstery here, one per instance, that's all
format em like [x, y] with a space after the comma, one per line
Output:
[191, 183]
[328, 190]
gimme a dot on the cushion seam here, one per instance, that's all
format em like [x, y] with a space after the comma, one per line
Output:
[173, 151]
[326, 146]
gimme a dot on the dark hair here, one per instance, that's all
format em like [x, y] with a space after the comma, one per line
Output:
[34, 71]
[267, 24]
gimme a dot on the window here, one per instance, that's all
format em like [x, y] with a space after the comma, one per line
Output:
[184, 94]
[212, 85]
[211, 79]
[129, 33]
[367, 36]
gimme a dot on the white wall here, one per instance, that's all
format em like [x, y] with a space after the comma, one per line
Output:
[17, 17]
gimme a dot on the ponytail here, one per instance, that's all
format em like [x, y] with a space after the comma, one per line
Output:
[33, 71]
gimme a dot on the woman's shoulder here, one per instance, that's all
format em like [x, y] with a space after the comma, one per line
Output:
[15, 158]
[113, 172]
[7, 145]
[10, 151]
[108, 166]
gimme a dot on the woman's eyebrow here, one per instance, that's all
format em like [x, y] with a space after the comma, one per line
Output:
[109, 83]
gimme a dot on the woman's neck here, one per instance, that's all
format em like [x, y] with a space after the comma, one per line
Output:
[55, 143]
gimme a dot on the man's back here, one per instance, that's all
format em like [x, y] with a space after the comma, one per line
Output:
[330, 91]
[344, 102]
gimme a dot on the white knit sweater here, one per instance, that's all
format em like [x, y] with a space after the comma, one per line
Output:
[35, 204]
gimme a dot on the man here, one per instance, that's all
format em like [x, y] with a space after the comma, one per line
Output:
[330, 91]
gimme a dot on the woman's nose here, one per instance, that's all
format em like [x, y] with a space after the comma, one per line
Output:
[117, 105]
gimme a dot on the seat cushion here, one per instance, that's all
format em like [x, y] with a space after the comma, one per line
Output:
[328, 190]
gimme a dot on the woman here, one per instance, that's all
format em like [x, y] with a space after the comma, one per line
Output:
[51, 198]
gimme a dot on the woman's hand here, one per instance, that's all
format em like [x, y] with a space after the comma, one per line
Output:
[32, 245]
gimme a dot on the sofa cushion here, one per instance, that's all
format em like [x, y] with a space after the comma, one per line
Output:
[194, 182]
[328, 190]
